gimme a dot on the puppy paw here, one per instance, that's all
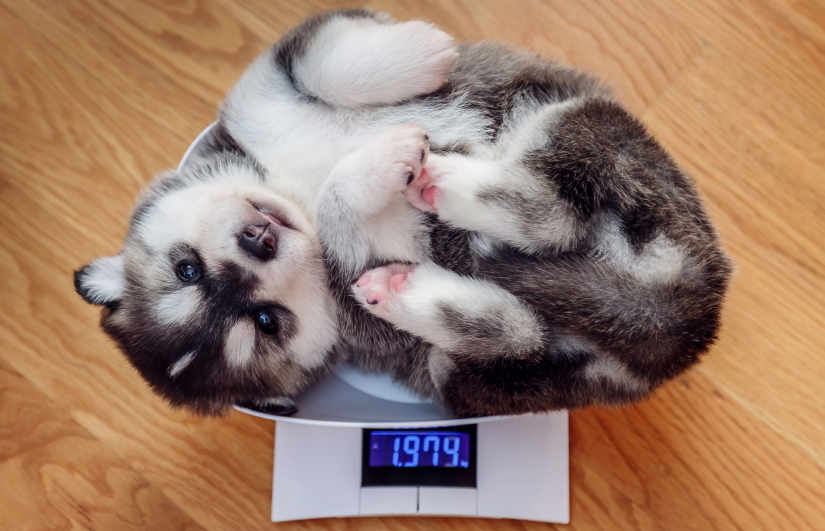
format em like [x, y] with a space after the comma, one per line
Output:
[398, 156]
[379, 290]
[424, 193]
[431, 51]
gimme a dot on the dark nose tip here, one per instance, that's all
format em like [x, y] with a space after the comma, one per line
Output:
[258, 242]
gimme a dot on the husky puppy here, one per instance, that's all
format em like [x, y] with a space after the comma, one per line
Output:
[491, 228]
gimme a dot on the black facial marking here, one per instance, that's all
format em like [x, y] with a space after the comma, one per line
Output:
[221, 141]
[226, 295]
[229, 283]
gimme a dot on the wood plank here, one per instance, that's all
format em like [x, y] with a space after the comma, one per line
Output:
[766, 196]
[690, 458]
[638, 53]
[58, 476]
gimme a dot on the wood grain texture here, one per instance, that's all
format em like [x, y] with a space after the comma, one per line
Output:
[98, 95]
[58, 476]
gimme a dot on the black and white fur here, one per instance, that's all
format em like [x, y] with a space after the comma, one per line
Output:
[491, 228]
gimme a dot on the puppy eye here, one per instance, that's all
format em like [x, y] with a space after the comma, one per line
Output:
[267, 323]
[188, 272]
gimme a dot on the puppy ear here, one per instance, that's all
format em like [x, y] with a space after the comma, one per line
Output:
[102, 281]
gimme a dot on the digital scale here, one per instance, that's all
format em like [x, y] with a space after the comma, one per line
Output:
[361, 445]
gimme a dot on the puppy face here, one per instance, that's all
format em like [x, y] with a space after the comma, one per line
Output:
[220, 293]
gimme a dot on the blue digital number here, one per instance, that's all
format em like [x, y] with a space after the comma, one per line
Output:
[436, 443]
[396, 446]
[422, 449]
[452, 449]
[411, 446]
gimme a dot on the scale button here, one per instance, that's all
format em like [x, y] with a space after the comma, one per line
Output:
[448, 500]
[389, 500]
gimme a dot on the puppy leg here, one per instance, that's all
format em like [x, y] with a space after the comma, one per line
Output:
[362, 214]
[499, 198]
[333, 61]
[353, 58]
[460, 315]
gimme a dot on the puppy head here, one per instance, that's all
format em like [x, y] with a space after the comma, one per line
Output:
[219, 295]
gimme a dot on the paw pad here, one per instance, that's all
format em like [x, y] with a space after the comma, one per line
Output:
[379, 287]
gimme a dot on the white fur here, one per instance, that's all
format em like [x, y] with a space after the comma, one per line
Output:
[178, 306]
[528, 127]
[612, 370]
[299, 142]
[357, 62]
[440, 366]
[104, 280]
[240, 344]
[430, 289]
[370, 177]
[602, 366]
[463, 183]
[364, 191]
[315, 309]
[660, 260]
[177, 367]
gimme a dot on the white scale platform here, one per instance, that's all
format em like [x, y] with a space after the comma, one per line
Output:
[521, 463]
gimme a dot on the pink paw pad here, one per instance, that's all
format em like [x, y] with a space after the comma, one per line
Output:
[431, 195]
[398, 282]
[381, 284]
[424, 193]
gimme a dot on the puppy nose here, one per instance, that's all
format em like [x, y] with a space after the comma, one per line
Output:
[258, 242]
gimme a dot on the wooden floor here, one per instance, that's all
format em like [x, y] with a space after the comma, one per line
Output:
[97, 96]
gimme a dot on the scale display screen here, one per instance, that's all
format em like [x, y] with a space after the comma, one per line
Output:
[426, 448]
[420, 456]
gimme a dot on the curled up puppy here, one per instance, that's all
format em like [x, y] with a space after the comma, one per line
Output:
[491, 228]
